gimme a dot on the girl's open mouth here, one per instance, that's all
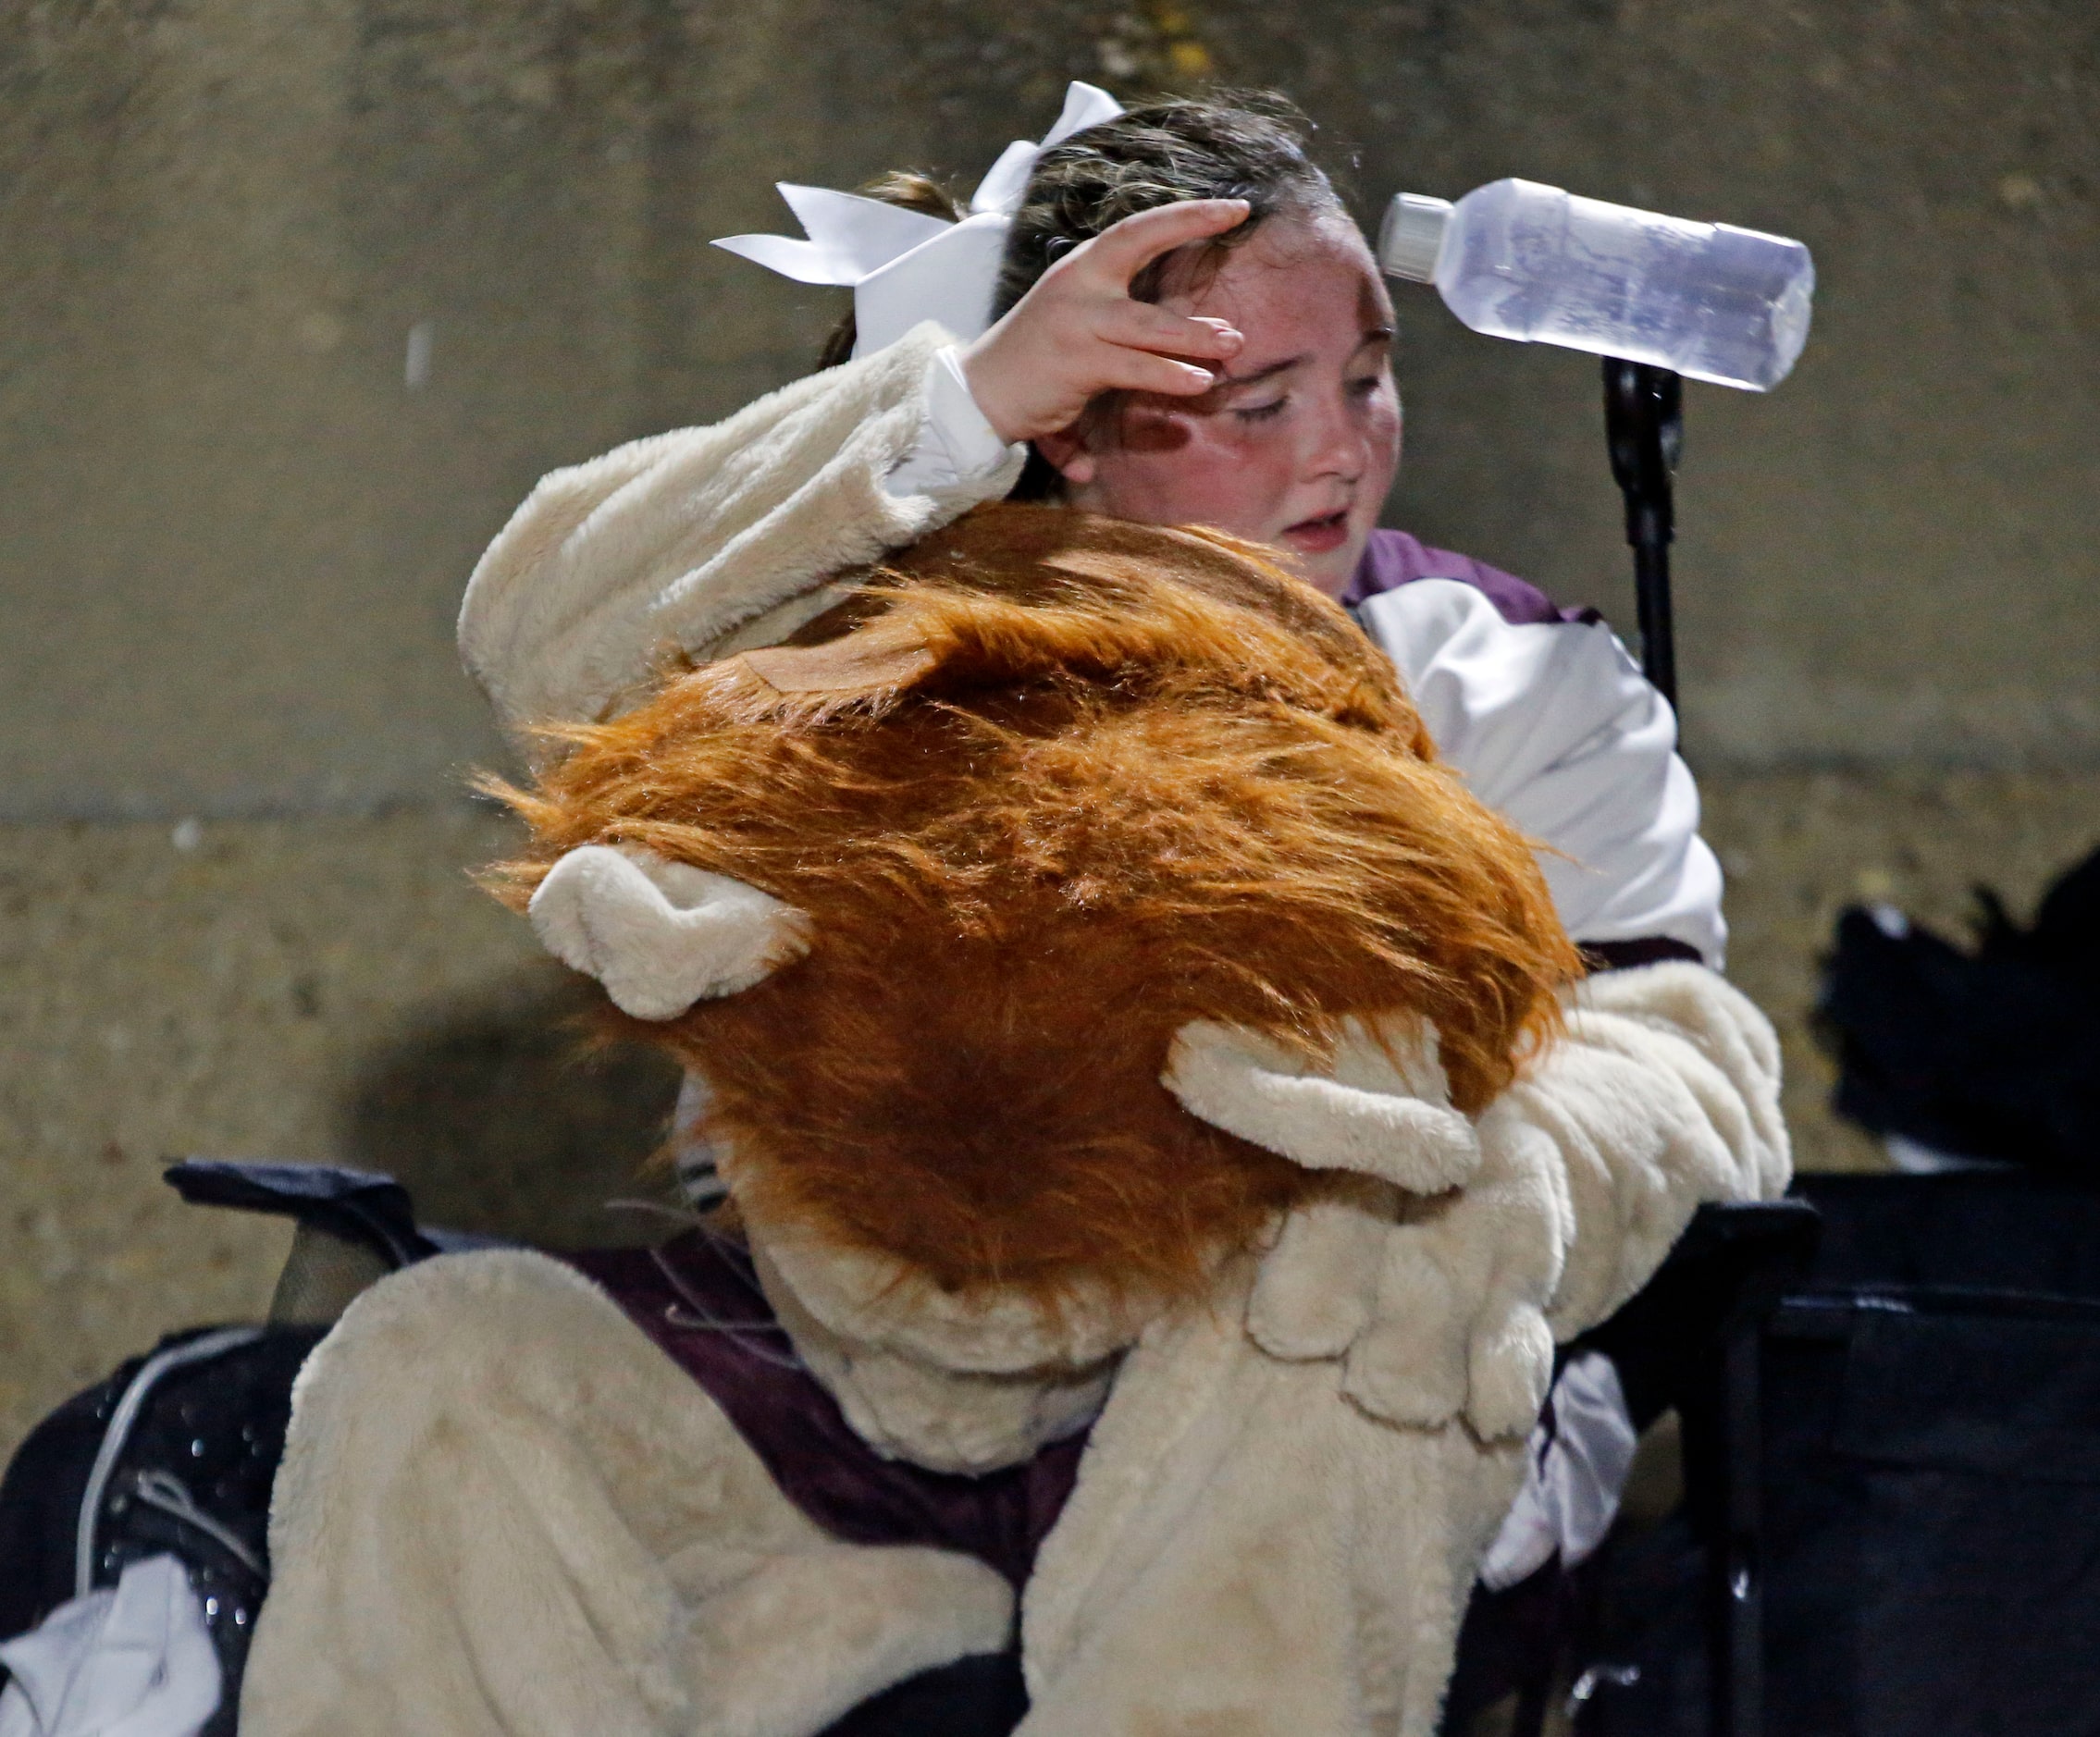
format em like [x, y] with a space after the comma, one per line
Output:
[1315, 536]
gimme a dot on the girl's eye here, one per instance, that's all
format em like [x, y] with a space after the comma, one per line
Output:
[1367, 387]
[1262, 412]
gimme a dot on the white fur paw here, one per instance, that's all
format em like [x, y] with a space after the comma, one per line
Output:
[1458, 1325]
[1366, 1117]
[1410, 1365]
[1509, 1371]
[1317, 1285]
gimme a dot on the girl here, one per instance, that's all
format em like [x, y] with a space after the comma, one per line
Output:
[1188, 327]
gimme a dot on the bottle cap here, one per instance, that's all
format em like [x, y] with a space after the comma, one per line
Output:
[1412, 235]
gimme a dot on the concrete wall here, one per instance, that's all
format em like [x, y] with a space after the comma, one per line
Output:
[233, 530]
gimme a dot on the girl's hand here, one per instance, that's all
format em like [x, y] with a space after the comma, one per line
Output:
[1078, 333]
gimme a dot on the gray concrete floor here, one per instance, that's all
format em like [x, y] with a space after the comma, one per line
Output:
[337, 989]
[316, 990]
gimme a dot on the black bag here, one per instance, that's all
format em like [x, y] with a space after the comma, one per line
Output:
[174, 1454]
[1992, 1053]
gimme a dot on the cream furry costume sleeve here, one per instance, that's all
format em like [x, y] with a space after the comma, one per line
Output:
[503, 1510]
[703, 541]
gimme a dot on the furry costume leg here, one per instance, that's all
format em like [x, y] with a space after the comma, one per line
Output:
[1247, 1552]
[503, 1510]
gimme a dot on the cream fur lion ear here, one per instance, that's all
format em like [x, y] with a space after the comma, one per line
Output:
[1369, 1114]
[660, 935]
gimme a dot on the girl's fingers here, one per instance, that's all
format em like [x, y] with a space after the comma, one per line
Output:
[1141, 371]
[1124, 248]
[1140, 326]
[1036, 368]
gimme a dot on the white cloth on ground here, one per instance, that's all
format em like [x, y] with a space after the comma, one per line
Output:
[129, 1660]
[1574, 1472]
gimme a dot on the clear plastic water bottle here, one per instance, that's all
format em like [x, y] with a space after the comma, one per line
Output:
[1518, 259]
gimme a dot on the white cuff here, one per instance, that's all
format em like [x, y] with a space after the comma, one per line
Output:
[957, 448]
[1574, 1476]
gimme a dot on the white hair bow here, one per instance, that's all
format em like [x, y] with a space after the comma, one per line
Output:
[904, 267]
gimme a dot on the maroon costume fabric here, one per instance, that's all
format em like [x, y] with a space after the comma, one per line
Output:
[698, 1299]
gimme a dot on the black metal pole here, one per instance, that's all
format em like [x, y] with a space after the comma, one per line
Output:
[1652, 604]
[1644, 426]
[1739, 1619]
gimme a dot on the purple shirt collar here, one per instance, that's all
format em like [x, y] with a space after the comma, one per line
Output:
[1394, 559]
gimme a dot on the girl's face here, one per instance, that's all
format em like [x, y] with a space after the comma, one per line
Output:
[1298, 443]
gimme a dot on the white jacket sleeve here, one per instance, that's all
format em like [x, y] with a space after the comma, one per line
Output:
[671, 543]
[1553, 726]
[958, 446]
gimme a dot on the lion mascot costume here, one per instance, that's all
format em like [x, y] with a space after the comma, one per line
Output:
[1160, 1131]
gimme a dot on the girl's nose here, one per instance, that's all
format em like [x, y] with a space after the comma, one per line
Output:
[1336, 443]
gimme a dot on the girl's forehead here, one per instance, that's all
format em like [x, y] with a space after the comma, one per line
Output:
[1298, 272]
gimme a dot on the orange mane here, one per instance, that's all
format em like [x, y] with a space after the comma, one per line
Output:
[1049, 787]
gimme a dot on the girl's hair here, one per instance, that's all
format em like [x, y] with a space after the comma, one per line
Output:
[1235, 144]
[1231, 144]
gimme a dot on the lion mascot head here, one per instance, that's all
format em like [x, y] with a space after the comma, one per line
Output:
[926, 895]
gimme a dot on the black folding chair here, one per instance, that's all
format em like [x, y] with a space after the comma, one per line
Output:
[355, 1226]
[1891, 1525]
